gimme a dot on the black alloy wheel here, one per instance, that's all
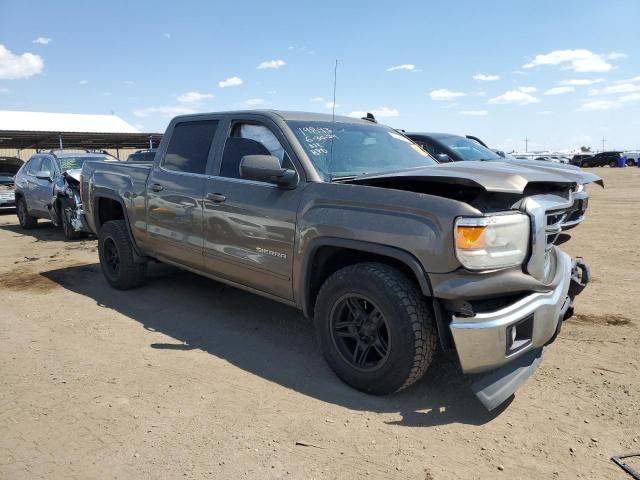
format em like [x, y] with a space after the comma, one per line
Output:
[360, 332]
[111, 256]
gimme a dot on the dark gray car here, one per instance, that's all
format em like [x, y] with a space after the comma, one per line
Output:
[353, 223]
[46, 187]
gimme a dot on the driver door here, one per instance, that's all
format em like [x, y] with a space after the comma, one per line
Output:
[250, 226]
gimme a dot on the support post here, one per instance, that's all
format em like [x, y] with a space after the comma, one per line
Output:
[60, 141]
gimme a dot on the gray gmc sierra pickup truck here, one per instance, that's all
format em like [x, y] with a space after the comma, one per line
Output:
[392, 254]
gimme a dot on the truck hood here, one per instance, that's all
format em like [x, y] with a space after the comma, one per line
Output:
[490, 176]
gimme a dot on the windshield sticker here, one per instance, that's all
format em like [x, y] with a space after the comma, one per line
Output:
[419, 149]
[315, 138]
[397, 136]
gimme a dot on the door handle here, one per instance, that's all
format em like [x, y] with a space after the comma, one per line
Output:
[216, 197]
[156, 187]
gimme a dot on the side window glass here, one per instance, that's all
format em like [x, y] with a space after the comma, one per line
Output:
[189, 146]
[250, 139]
[262, 134]
[34, 165]
[47, 166]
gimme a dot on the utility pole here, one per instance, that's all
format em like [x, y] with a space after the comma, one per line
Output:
[603, 142]
[526, 144]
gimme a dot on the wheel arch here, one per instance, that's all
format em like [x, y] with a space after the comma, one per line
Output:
[108, 207]
[324, 256]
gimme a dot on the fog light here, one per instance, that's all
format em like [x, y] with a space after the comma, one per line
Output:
[519, 335]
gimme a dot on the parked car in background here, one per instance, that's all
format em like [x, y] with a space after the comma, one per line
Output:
[46, 187]
[632, 158]
[577, 159]
[446, 147]
[146, 155]
[9, 166]
[601, 159]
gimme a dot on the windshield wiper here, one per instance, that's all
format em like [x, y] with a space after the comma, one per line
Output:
[346, 178]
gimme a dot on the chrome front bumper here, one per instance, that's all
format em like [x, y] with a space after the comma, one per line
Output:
[482, 341]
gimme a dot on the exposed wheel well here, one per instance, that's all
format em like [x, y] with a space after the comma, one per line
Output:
[108, 209]
[329, 259]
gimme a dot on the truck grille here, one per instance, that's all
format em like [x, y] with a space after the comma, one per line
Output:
[555, 220]
[548, 213]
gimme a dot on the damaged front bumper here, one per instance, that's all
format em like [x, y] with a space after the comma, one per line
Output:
[490, 339]
[505, 345]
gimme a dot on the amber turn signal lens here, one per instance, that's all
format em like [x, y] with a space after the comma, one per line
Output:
[470, 237]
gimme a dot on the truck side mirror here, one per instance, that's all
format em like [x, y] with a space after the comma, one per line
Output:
[44, 175]
[443, 158]
[266, 168]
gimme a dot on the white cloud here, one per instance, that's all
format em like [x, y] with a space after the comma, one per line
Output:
[254, 102]
[83, 82]
[378, 112]
[559, 90]
[633, 97]
[230, 82]
[474, 113]
[331, 105]
[444, 94]
[516, 97]
[317, 100]
[485, 78]
[581, 82]
[13, 67]
[629, 80]
[4, 90]
[545, 112]
[271, 64]
[616, 89]
[578, 60]
[129, 82]
[620, 88]
[527, 89]
[405, 66]
[42, 41]
[597, 105]
[165, 112]
[194, 97]
[615, 55]
[166, 35]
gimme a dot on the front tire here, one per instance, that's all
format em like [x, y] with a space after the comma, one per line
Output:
[375, 328]
[26, 221]
[117, 257]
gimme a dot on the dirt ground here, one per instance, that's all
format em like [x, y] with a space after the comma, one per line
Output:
[186, 378]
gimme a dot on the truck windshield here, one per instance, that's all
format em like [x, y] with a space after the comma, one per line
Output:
[71, 163]
[469, 149]
[353, 149]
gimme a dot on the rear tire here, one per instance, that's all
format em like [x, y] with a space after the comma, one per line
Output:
[631, 162]
[117, 257]
[612, 164]
[26, 221]
[66, 210]
[390, 340]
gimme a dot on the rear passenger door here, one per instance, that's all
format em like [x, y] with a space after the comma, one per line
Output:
[250, 225]
[175, 190]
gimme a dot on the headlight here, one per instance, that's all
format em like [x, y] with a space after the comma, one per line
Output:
[495, 241]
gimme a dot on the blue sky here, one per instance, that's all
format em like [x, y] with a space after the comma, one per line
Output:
[563, 73]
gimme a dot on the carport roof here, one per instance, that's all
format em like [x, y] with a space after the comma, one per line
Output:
[42, 130]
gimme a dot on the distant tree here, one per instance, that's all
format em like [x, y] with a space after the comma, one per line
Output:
[585, 149]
